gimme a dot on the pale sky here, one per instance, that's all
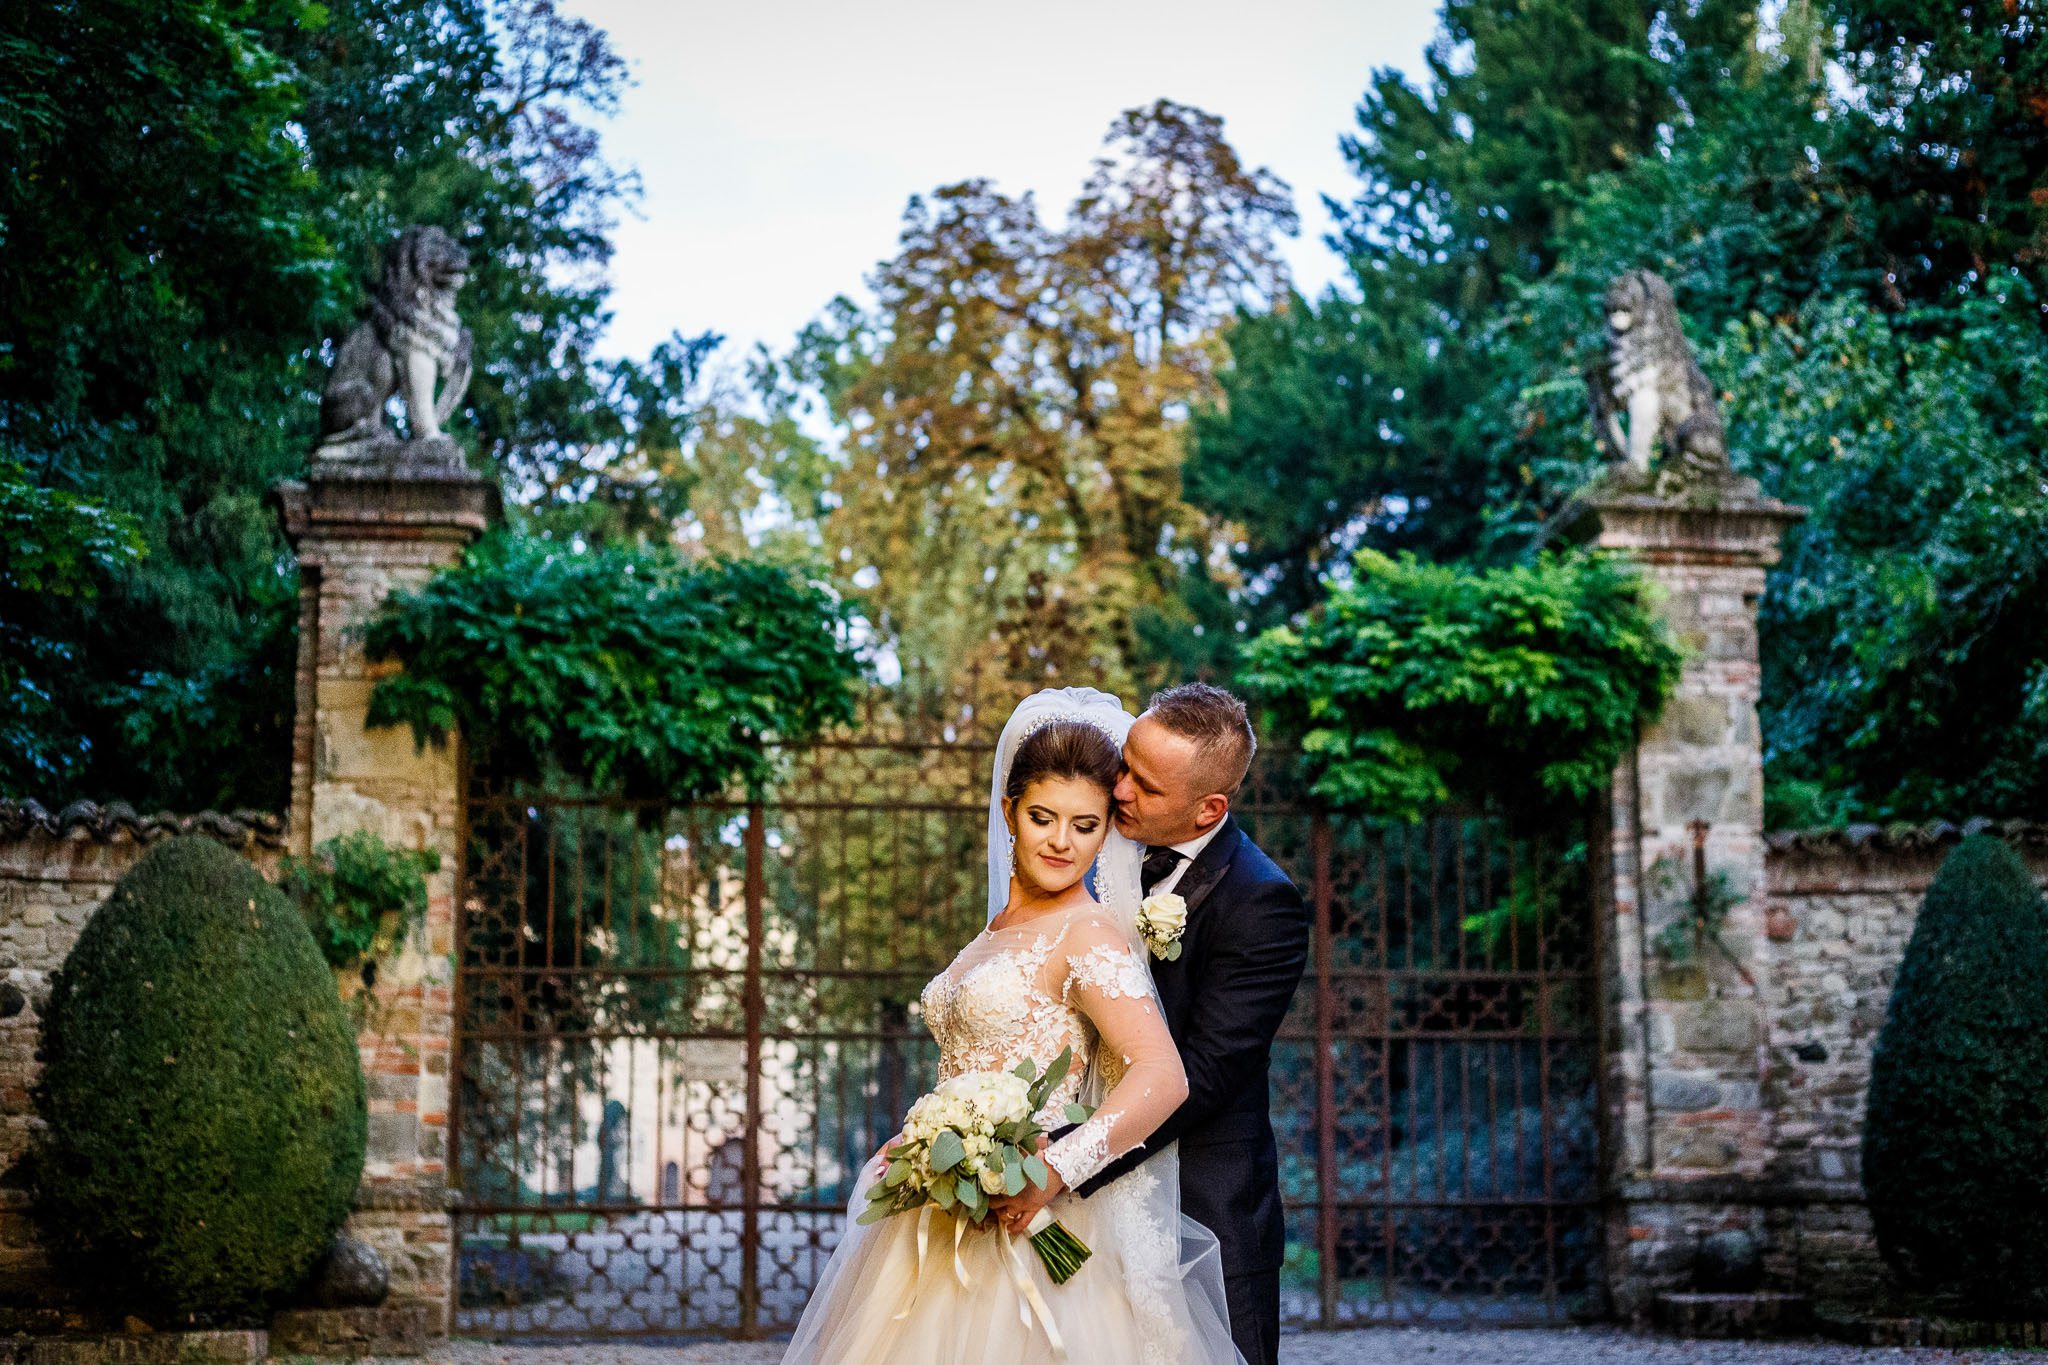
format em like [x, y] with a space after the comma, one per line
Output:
[778, 139]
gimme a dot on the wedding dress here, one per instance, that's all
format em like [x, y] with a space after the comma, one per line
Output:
[1077, 979]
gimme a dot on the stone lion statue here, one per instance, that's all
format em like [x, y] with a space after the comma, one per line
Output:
[1653, 378]
[411, 338]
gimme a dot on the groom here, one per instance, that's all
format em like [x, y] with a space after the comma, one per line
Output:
[1242, 955]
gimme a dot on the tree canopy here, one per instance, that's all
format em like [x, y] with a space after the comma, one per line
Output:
[1848, 200]
[1006, 485]
[1113, 447]
[195, 196]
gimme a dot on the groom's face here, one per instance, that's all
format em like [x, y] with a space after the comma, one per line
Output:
[1157, 799]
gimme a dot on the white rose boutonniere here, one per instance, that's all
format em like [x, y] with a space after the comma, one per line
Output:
[1162, 919]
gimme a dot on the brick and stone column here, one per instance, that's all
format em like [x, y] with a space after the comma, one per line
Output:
[362, 531]
[1686, 1042]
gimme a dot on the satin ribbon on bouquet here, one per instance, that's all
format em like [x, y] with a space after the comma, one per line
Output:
[1028, 1297]
[924, 1234]
[1027, 1292]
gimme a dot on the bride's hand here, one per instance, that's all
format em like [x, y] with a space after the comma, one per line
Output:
[877, 1163]
[1015, 1211]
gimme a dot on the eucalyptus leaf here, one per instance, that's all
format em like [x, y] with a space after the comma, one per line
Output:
[1057, 1072]
[1035, 1171]
[947, 1151]
[1078, 1113]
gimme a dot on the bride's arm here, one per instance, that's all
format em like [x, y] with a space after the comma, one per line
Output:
[1106, 980]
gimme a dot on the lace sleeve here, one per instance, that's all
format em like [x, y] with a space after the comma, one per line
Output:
[1107, 981]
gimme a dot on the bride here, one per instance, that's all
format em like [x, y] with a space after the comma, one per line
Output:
[1056, 968]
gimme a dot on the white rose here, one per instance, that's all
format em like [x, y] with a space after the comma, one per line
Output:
[992, 1182]
[1166, 915]
[987, 1097]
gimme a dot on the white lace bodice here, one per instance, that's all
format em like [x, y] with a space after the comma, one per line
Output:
[1063, 980]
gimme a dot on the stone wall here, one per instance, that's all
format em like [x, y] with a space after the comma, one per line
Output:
[55, 870]
[1839, 908]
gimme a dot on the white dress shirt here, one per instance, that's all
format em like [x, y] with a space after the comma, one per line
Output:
[1188, 851]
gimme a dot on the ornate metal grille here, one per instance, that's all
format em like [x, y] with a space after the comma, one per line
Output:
[681, 1031]
[1436, 1084]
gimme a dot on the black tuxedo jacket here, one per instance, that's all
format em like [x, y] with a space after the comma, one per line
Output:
[1242, 955]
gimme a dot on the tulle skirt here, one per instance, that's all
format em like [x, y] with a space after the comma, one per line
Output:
[1150, 1294]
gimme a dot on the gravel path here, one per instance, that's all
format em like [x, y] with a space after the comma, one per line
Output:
[1390, 1346]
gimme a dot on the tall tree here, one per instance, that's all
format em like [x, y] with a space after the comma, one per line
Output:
[1952, 137]
[1375, 400]
[1901, 405]
[166, 278]
[195, 197]
[1009, 490]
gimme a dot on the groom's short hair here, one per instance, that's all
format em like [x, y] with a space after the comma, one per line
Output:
[1219, 727]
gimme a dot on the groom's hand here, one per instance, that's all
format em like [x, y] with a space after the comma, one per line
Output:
[1017, 1210]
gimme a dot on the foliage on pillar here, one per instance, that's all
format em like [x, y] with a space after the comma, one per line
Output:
[622, 669]
[203, 1101]
[1955, 1145]
[1417, 684]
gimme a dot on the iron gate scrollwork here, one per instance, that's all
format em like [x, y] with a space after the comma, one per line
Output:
[1437, 1081]
[682, 1030]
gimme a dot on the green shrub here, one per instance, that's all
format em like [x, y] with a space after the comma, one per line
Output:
[624, 668]
[204, 1104]
[1955, 1145]
[1416, 684]
[360, 896]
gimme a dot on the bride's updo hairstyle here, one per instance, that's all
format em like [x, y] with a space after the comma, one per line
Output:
[1064, 749]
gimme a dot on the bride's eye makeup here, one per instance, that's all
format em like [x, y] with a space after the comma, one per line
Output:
[1087, 824]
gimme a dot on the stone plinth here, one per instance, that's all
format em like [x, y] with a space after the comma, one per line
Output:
[351, 1333]
[364, 529]
[1726, 1317]
[155, 1348]
[1687, 1043]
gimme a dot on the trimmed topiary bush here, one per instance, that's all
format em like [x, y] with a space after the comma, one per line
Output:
[1955, 1145]
[204, 1103]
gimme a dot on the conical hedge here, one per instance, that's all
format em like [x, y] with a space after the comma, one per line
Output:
[1955, 1145]
[204, 1101]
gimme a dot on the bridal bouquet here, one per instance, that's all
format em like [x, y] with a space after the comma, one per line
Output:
[974, 1137]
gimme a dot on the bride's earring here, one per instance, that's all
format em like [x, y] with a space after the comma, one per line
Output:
[1013, 848]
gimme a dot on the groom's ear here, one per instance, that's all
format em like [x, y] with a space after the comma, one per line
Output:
[1210, 810]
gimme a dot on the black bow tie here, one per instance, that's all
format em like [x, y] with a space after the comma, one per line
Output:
[1159, 864]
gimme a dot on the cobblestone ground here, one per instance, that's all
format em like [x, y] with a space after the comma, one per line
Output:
[1392, 1346]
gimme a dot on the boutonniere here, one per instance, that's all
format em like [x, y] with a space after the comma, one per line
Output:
[1162, 919]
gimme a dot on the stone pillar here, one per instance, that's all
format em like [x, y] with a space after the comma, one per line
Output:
[1686, 1025]
[362, 531]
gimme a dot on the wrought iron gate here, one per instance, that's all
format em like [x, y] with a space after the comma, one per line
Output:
[680, 1032]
